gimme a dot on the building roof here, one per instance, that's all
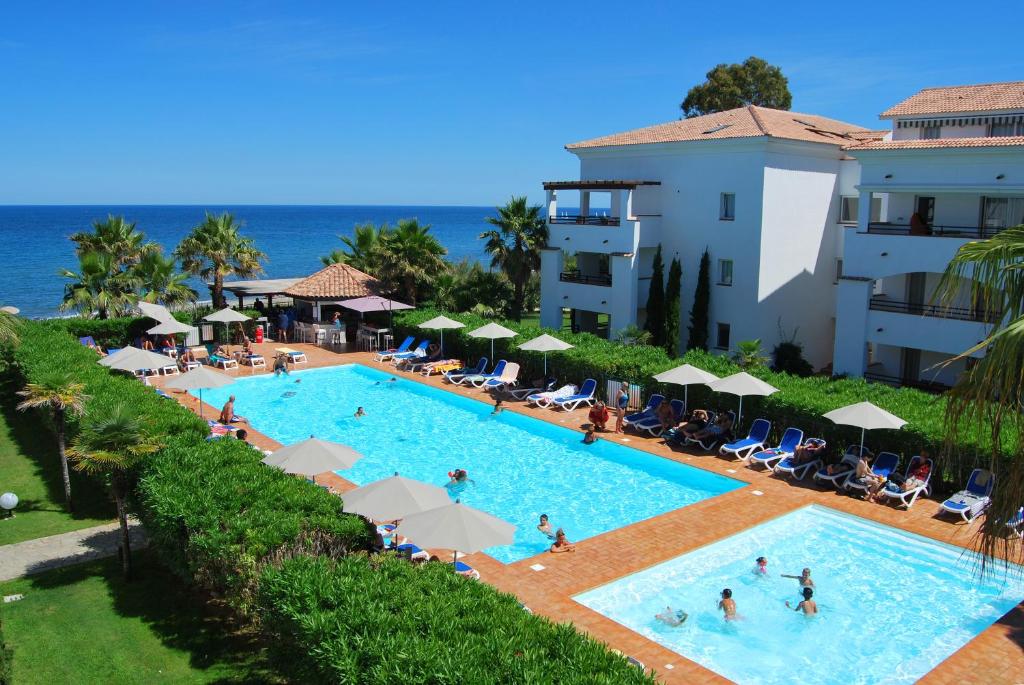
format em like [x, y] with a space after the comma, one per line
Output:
[916, 144]
[334, 282]
[264, 286]
[947, 100]
[744, 122]
[597, 184]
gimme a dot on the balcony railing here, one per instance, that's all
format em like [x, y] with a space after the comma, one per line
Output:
[584, 220]
[928, 386]
[585, 279]
[884, 304]
[935, 231]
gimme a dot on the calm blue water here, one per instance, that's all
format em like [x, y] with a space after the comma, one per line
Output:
[522, 467]
[892, 605]
[34, 240]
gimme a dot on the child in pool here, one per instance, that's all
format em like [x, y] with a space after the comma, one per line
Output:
[762, 566]
[590, 437]
[360, 412]
[808, 605]
[545, 527]
[728, 605]
[804, 578]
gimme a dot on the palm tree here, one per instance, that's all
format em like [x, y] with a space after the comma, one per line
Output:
[362, 248]
[215, 249]
[61, 395]
[988, 398]
[116, 237]
[9, 325]
[408, 258]
[112, 444]
[515, 245]
[99, 286]
[160, 282]
[333, 257]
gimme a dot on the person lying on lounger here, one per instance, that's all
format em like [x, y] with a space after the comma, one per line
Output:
[804, 578]
[808, 605]
[721, 426]
[809, 451]
[672, 617]
[865, 476]
[916, 478]
[697, 421]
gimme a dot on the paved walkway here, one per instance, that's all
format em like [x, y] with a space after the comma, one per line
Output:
[43, 554]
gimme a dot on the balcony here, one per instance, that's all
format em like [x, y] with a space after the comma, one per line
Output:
[884, 304]
[585, 279]
[934, 231]
[589, 220]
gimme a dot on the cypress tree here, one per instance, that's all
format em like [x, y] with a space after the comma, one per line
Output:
[699, 313]
[655, 323]
[675, 278]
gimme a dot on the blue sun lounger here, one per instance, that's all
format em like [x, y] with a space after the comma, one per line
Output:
[755, 440]
[647, 413]
[789, 467]
[974, 499]
[480, 367]
[885, 464]
[412, 550]
[473, 378]
[767, 458]
[385, 355]
[420, 351]
[584, 396]
[1016, 523]
[653, 424]
[908, 497]
[464, 569]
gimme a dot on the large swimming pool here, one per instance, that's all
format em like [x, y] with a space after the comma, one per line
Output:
[522, 467]
[892, 605]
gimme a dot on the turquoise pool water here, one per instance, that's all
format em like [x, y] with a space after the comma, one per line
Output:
[892, 605]
[522, 467]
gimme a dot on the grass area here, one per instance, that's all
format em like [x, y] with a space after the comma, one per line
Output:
[29, 468]
[84, 624]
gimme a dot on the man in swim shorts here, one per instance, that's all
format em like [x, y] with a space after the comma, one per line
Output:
[227, 413]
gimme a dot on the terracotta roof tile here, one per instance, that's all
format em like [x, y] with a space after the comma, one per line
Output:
[917, 144]
[978, 98]
[743, 122]
[335, 282]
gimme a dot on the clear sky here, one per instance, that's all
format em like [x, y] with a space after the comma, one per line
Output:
[421, 103]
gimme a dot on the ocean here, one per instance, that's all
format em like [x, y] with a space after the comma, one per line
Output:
[34, 239]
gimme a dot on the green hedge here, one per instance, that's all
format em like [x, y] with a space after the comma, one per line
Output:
[280, 551]
[125, 330]
[384, 620]
[800, 401]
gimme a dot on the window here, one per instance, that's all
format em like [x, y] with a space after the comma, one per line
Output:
[848, 210]
[930, 132]
[727, 209]
[1002, 130]
[724, 272]
[722, 338]
[839, 270]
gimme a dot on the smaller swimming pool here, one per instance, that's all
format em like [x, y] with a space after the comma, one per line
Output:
[892, 605]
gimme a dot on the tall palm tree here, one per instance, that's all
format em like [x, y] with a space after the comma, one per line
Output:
[116, 237]
[99, 286]
[362, 248]
[111, 444]
[59, 393]
[988, 399]
[160, 282]
[515, 245]
[215, 249]
[409, 258]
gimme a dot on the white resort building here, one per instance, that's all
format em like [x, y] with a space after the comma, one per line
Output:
[776, 197]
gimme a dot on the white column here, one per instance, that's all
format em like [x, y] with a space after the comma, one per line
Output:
[551, 203]
[864, 211]
[852, 299]
[550, 287]
[622, 294]
[584, 202]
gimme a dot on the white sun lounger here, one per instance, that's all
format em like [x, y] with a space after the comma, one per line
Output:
[508, 378]
[974, 499]
[908, 497]
[546, 399]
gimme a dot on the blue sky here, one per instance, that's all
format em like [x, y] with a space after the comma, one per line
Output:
[420, 103]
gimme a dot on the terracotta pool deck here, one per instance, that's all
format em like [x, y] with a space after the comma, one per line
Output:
[994, 656]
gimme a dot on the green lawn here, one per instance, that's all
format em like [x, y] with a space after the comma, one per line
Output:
[30, 469]
[83, 624]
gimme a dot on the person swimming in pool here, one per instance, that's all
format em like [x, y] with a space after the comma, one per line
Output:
[360, 413]
[672, 617]
[808, 605]
[459, 477]
[762, 566]
[280, 364]
[545, 526]
[390, 380]
[804, 578]
[590, 437]
[498, 407]
[561, 543]
[728, 605]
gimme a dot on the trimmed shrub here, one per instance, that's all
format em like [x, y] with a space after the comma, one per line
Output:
[384, 620]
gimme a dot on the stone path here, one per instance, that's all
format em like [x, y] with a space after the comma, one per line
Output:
[43, 554]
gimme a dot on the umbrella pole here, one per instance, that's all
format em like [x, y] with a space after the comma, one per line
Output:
[455, 558]
[861, 441]
[545, 365]
[492, 349]
[739, 419]
[686, 398]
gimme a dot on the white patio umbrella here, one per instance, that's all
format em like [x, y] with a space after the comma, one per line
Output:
[456, 527]
[492, 331]
[135, 359]
[741, 384]
[154, 311]
[169, 327]
[865, 416]
[313, 456]
[440, 323]
[226, 316]
[545, 343]
[394, 498]
[685, 375]
[202, 378]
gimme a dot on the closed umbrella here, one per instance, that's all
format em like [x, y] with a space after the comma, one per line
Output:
[741, 384]
[440, 323]
[202, 378]
[545, 343]
[394, 498]
[135, 359]
[492, 331]
[313, 456]
[456, 527]
[865, 416]
[685, 375]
